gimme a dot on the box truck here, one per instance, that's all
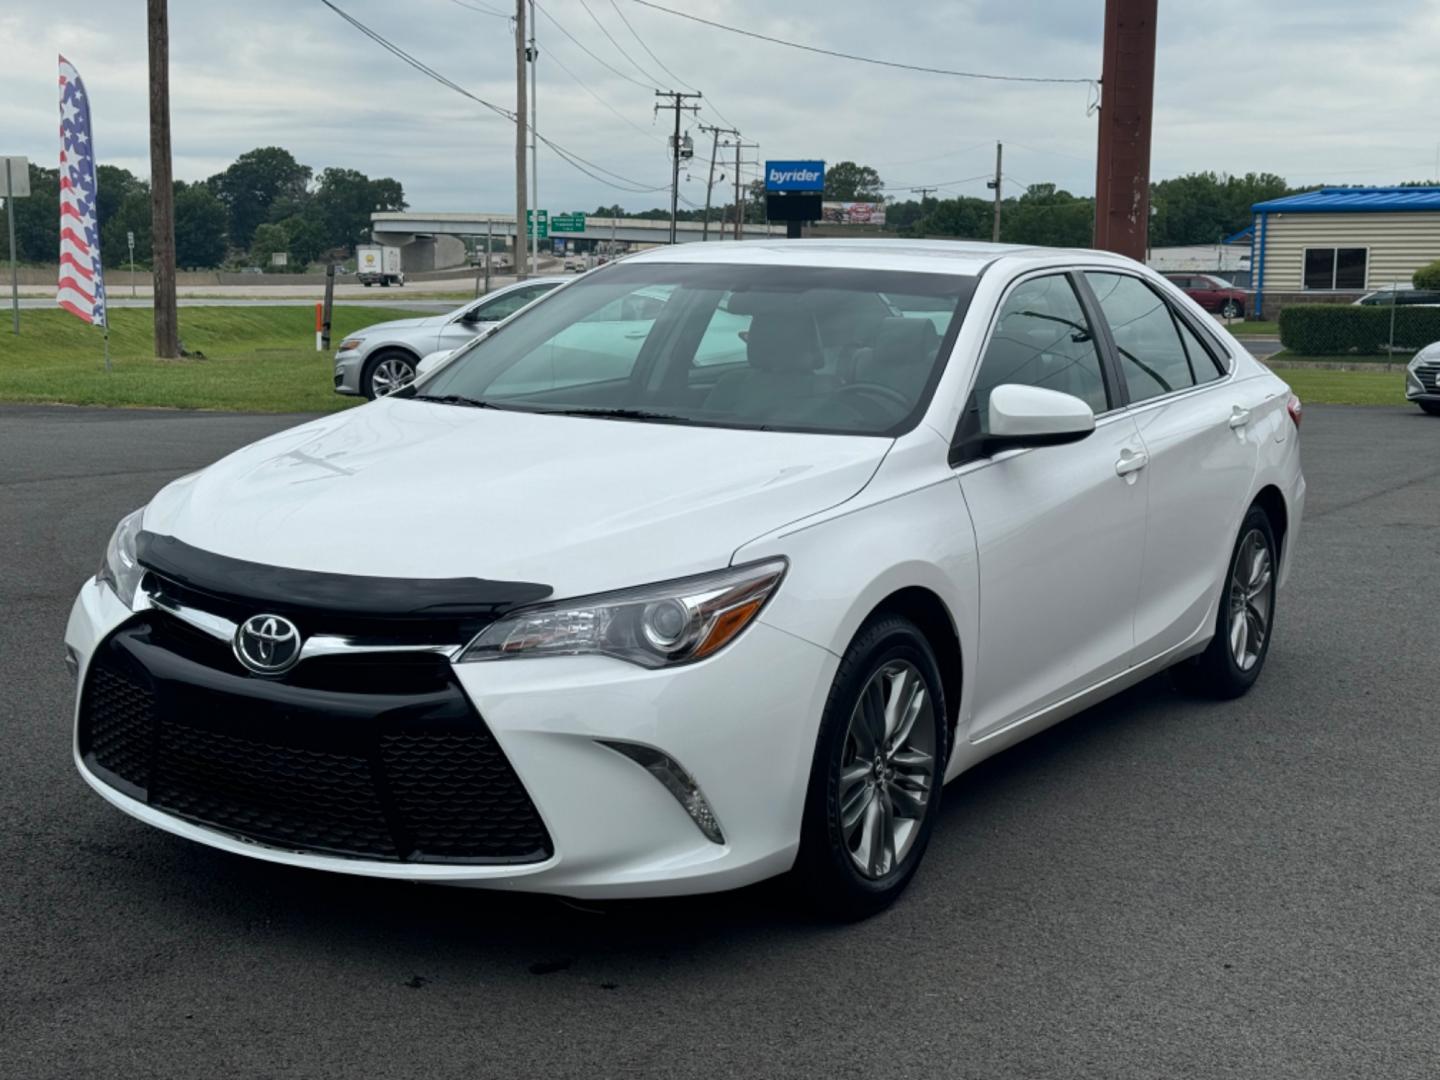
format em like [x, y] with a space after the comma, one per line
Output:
[377, 264]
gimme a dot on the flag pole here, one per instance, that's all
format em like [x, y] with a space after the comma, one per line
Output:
[107, 346]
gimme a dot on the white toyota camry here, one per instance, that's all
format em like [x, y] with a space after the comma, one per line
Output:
[713, 565]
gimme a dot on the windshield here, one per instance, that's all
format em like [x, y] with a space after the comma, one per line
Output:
[784, 348]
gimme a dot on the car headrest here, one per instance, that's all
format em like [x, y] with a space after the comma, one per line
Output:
[780, 340]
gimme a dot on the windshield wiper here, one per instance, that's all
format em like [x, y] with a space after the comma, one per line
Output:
[455, 399]
[615, 414]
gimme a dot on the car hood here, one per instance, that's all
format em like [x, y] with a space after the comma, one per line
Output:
[402, 488]
[395, 325]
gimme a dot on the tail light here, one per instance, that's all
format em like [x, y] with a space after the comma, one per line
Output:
[1296, 410]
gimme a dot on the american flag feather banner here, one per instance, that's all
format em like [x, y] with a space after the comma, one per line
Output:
[81, 288]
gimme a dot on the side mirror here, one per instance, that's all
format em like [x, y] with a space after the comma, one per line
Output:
[471, 316]
[1031, 416]
[431, 362]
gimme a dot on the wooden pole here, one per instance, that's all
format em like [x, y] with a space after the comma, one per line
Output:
[162, 188]
[1122, 159]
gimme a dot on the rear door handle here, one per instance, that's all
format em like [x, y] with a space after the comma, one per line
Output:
[1131, 462]
[1239, 417]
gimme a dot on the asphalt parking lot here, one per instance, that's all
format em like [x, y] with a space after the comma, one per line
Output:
[1157, 888]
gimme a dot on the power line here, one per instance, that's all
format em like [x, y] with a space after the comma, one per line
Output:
[482, 9]
[649, 51]
[648, 134]
[611, 38]
[571, 158]
[586, 49]
[864, 59]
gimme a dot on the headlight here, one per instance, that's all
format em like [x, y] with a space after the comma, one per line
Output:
[655, 626]
[119, 569]
[350, 343]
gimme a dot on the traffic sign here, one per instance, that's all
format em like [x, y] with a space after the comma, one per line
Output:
[544, 233]
[568, 223]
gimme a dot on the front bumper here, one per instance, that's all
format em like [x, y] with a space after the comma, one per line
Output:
[348, 366]
[743, 723]
[1422, 381]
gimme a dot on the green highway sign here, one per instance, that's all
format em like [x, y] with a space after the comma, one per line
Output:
[544, 223]
[568, 223]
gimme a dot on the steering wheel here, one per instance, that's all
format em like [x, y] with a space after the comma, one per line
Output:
[877, 390]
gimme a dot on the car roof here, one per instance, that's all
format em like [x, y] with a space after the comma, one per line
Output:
[965, 257]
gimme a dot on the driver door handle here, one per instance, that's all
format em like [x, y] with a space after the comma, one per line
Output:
[1131, 462]
[1239, 417]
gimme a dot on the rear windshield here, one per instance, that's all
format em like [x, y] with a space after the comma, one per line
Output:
[783, 348]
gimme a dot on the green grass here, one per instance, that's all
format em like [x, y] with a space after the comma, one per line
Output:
[1286, 356]
[259, 359]
[1346, 387]
[1254, 328]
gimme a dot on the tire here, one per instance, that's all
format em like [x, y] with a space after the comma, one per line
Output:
[1232, 310]
[1218, 672]
[1431, 407]
[887, 658]
[383, 369]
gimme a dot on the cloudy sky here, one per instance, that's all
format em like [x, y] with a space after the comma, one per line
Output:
[1310, 89]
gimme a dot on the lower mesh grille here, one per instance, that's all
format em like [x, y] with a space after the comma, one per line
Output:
[284, 795]
[412, 777]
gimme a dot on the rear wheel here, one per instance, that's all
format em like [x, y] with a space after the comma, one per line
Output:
[1431, 407]
[875, 781]
[1236, 654]
[387, 372]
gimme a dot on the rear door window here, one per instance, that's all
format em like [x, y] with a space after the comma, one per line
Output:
[1152, 356]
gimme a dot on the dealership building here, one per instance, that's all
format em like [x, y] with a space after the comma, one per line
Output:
[1336, 244]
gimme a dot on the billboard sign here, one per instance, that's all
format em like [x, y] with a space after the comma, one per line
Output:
[794, 176]
[853, 213]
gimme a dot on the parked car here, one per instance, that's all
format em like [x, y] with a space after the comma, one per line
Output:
[380, 359]
[715, 565]
[1213, 293]
[1422, 379]
[1400, 298]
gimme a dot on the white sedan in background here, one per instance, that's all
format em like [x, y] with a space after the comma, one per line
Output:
[716, 565]
[380, 359]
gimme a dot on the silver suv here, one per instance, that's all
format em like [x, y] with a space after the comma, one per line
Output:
[1422, 379]
[380, 359]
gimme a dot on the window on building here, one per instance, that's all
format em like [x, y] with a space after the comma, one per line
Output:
[1335, 268]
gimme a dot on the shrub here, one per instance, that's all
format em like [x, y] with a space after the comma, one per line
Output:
[1428, 277]
[1337, 329]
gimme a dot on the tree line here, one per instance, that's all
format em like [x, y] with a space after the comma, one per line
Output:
[264, 202]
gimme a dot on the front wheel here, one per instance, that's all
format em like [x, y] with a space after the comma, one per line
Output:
[876, 778]
[386, 373]
[1245, 623]
[1232, 309]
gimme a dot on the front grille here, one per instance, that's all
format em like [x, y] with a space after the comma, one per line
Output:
[1429, 375]
[412, 776]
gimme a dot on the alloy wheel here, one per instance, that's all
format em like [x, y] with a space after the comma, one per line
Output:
[391, 374]
[887, 771]
[1252, 587]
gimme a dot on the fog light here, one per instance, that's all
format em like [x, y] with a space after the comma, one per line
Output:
[675, 780]
[72, 662]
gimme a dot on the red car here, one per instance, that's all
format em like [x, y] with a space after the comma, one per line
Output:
[1213, 293]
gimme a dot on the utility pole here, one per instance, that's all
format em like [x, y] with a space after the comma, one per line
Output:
[678, 104]
[999, 178]
[1122, 158]
[534, 57]
[710, 183]
[924, 193]
[162, 187]
[489, 250]
[521, 227]
[739, 191]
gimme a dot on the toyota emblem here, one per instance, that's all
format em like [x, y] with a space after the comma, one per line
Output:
[267, 644]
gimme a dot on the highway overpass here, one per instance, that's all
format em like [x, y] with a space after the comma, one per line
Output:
[401, 227]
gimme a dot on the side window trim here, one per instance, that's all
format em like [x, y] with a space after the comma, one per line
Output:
[1116, 386]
